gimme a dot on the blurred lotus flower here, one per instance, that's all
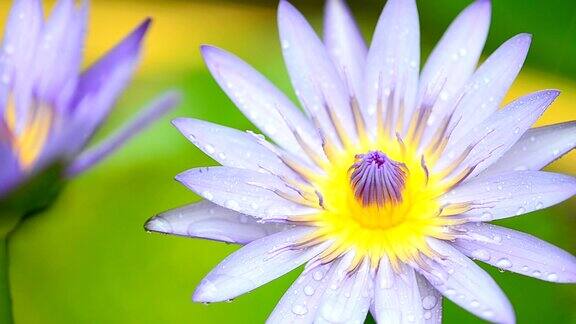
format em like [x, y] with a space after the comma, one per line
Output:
[384, 187]
[49, 110]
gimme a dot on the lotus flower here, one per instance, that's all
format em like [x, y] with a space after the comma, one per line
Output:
[49, 110]
[385, 186]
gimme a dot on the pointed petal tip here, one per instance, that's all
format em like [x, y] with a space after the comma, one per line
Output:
[157, 224]
[206, 292]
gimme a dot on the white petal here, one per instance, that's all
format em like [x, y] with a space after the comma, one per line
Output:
[210, 221]
[462, 281]
[349, 296]
[397, 295]
[393, 60]
[518, 252]
[510, 194]
[537, 148]
[314, 76]
[489, 84]
[255, 264]
[431, 301]
[345, 44]
[496, 135]
[266, 106]
[245, 191]
[231, 147]
[453, 61]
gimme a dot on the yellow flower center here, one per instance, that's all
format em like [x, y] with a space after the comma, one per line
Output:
[28, 141]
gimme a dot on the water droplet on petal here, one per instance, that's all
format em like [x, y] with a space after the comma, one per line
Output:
[232, 204]
[209, 149]
[309, 290]
[299, 309]
[481, 255]
[537, 274]
[552, 277]
[521, 211]
[208, 195]
[429, 302]
[318, 275]
[504, 263]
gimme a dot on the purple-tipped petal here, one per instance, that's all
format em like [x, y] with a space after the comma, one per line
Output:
[349, 297]
[453, 61]
[245, 191]
[397, 295]
[393, 61]
[489, 84]
[266, 106]
[231, 147]
[314, 77]
[158, 108]
[255, 264]
[300, 303]
[537, 148]
[345, 45]
[510, 194]
[21, 36]
[467, 285]
[518, 252]
[491, 139]
[100, 86]
[59, 53]
[10, 173]
[209, 221]
[431, 301]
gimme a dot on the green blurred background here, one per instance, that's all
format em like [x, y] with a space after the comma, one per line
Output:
[88, 259]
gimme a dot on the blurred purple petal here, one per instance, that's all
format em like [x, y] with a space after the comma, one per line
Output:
[10, 173]
[314, 77]
[266, 106]
[537, 148]
[231, 147]
[518, 252]
[245, 191]
[467, 285]
[159, 107]
[100, 86]
[453, 61]
[492, 138]
[59, 53]
[18, 54]
[345, 45]
[397, 295]
[393, 61]
[207, 220]
[489, 84]
[255, 264]
[510, 194]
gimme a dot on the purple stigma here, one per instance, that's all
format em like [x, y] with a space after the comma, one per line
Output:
[377, 179]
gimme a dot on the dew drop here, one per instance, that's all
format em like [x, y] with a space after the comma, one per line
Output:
[427, 315]
[537, 273]
[299, 309]
[318, 275]
[488, 313]
[309, 290]
[209, 149]
[474, 304]
[552, 277]
[232, 204]
[429, 302]
[208, 195]
[539, 205]
[525, 268]
[481, 255]
[521, 211]
[504, 263]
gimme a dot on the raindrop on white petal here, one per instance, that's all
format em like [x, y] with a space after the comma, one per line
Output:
[552, 277]
[474, 304]
[488, 313]
[504, 263]
[232, 204]
[309, 290]
[481, 255]
[208, 195]
[427, 315]
[209, 149]
[521, 211]
[537, 273]
[429, 302]
[299, 309]
[318, 275]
